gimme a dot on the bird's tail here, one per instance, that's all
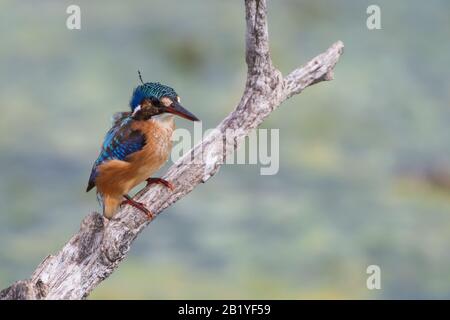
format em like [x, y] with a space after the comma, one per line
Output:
[109, 204]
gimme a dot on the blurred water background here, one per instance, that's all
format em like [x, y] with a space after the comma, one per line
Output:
[364, 160]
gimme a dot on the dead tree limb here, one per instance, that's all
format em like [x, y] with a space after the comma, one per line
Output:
[95, 251]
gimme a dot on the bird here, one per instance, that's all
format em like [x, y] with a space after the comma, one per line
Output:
[136, 146]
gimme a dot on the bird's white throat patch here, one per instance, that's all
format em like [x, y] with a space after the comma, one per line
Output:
[165, 119]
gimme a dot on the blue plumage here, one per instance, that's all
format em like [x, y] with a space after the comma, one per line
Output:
[151, 90]
[120, 142]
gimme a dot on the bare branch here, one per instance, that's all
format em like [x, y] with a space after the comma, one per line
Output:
[95, 251]
[257, 38]
[318, 69]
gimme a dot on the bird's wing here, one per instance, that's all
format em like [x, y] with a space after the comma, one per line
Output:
[120, 142]
[118, 117]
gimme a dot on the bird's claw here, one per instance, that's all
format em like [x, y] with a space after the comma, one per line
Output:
[140, 206]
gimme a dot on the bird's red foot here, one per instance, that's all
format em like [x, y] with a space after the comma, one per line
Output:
[139, 206]
[161, 181]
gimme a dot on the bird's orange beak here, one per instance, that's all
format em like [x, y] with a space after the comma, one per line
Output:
[177, 109]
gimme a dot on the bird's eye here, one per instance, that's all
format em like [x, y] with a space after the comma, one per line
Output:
[178, 99]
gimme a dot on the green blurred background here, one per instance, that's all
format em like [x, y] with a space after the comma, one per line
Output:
[364, 160]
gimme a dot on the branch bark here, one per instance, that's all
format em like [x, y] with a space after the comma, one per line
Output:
[96, 250]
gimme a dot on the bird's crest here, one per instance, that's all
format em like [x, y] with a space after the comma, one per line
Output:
[150, 90]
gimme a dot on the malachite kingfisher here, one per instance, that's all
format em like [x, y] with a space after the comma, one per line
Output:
[137, 145]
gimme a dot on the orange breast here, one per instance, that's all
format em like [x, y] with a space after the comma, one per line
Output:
[119, 177]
